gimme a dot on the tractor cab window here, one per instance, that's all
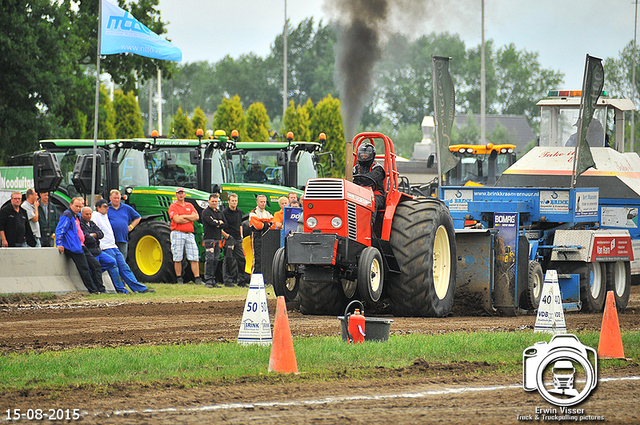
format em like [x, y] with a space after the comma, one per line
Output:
[171, 167]
[217, 168]
[306, 168]
[558, 127]
[257, 167]
[132, 168]
[67, 160]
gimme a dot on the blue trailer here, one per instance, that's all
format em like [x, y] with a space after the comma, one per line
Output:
[507, 238]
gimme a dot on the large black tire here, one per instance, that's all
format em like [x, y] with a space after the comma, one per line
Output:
[593, 287]
[370, 275]
[149, 254]
[285, 281]
[423, 242]
[535, 282]
[619, 281]
[321, 298]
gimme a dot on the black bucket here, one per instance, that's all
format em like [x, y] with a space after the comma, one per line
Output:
[375, 328]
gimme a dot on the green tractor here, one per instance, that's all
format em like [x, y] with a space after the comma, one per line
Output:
[147, 172]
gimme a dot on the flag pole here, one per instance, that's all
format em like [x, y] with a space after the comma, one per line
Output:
[576, 151]
[95, 120]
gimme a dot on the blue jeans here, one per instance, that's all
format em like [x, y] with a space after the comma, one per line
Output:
[109, 264]
[125, 272]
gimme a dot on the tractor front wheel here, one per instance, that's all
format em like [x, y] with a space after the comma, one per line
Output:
[370, 275]
[535, 282]
[150, 255]
[285, 281]
[423, 242]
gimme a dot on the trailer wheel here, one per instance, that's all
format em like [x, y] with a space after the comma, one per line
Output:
[423, 242]
[534, 286]
[285, 281]
[619, 281]
[321, 298]
[593, 287]
[370, 275]
[149, 254]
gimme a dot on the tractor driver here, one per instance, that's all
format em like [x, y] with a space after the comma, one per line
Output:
[368, 173]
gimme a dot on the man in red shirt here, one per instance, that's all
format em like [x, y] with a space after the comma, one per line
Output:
[182, 215]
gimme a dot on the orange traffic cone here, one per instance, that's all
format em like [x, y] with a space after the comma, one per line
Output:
[283, 358]
[610, 345]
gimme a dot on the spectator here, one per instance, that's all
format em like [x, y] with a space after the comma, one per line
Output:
[14, 230]
[278, 217]
[48, 219]
[123, 220]
[108, 246]
[295, 204]
[92, 236]
[31, 205]
[182, 215]
[70, 241]
[293, 197]
[212, 221]
[260, 221]
[233, 262]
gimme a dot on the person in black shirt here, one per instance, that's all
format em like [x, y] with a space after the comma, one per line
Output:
[234, 263]
[14, 224]
[212, 221]
[368, 173]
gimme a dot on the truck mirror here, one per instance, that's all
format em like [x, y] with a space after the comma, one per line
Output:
[194, 156]
[431, 160]
[46, 172]
[282, 159]
[82, 171]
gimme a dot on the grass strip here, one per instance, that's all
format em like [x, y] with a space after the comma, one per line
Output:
[318, 358]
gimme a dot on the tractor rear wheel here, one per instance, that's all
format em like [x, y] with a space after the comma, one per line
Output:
[285, 281]
[619, 281]
[321, 298]
[150, 255]
[423, 242]
[370, 275]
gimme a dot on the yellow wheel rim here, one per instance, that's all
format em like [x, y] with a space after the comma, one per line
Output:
[375, 275]
[149, 255]
[441, 262]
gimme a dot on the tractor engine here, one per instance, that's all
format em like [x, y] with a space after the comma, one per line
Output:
[339, 206]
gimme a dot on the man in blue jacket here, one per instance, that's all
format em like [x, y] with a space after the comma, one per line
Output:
[70, 241]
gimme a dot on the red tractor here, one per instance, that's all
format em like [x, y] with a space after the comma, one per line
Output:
[409, 256]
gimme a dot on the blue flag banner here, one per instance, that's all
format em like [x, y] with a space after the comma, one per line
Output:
[122, 33]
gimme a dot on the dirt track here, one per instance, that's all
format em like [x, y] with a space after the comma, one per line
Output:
[135, 321]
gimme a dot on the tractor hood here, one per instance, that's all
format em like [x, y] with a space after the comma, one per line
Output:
[616, 174]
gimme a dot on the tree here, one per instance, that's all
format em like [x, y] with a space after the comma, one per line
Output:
[230, 116]
[198, 120]
[128, 117]
[328, 119]
[182, 126]
[296, 120]
[257, 122]
[501, 136]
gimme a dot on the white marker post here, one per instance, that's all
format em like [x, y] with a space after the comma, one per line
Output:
[550, 317]
[256, 324]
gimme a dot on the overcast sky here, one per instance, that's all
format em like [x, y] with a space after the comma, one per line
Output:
[561, 31]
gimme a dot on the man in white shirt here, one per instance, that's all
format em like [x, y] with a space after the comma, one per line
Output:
[108, 245]
[30, 205]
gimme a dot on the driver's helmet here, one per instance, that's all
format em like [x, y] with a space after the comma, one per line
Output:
[366, 154]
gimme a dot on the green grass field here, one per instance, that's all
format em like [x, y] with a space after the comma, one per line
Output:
[318, 358]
